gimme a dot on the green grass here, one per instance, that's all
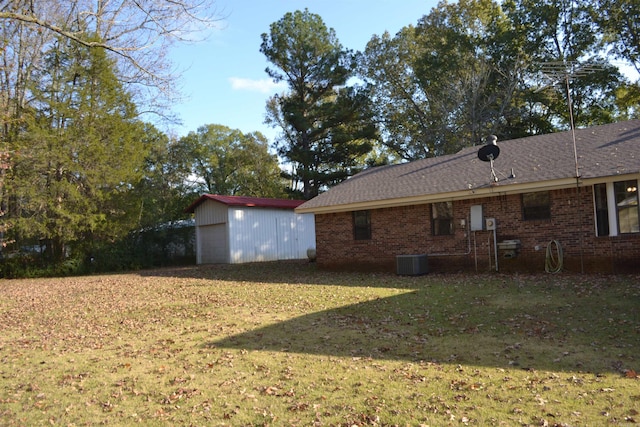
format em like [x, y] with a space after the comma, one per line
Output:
[283, 344]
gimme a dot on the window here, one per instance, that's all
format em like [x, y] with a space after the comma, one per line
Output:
[362, 225]
[536, 206]
[442, 218]
[616, 208]
[626, 195]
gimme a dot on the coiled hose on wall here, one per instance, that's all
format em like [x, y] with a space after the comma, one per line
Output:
[554, 259]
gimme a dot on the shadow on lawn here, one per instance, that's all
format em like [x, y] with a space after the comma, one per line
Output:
[546, 322]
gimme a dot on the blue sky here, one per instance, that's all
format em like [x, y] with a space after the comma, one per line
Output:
[224, 81]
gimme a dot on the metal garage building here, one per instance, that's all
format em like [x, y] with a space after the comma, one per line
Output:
[236, 229]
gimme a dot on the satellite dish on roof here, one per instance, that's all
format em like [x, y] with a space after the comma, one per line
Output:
[490, 151]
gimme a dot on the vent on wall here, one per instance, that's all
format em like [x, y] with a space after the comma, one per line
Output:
[411, 265]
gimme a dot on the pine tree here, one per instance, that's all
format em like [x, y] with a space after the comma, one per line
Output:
[79, 153]
[327, 126]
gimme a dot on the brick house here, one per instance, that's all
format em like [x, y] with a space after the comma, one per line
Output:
[542, 204]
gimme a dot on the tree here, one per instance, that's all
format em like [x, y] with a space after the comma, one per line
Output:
[327, 128]
[400, 103]
[135, 35]
[564, 46]
[164, 189]
[138, 33]
[78, 154]
[229, 162]
[478, 67]
[20, 56]
[447, 82]
[619, 21]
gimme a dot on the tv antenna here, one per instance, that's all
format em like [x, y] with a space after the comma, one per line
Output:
[489, 152]
[565, 72]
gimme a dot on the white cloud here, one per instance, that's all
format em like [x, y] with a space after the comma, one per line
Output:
[262, 85]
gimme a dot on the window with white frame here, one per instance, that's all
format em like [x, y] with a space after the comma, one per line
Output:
[626, 193]
[616, 208]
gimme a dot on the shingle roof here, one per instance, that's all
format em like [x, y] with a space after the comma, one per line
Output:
[543, 161]
[258, 202]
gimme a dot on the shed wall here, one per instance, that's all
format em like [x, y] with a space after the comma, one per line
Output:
[210, 212]
[258, 234]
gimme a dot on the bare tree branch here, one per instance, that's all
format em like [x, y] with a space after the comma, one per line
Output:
[139, 33]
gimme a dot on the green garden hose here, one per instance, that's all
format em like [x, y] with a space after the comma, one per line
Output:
[554, 259]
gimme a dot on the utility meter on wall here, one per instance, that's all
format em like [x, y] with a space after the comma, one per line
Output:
[490, 223]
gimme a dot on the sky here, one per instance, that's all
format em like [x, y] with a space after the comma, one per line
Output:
[224, 80]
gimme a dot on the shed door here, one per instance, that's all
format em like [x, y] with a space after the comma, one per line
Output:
[213, 244]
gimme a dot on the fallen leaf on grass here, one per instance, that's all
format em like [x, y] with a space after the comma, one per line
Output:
[275, 391]
[300, 406]
[270, 390]
[179, 394]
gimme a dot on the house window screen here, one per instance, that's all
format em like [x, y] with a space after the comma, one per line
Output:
[362, 225]
[626, 195]
[442, 218]
[536, 206]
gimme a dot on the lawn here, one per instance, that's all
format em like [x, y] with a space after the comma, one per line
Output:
[284, 344]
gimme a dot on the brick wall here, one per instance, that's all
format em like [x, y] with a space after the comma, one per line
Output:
[407, 230]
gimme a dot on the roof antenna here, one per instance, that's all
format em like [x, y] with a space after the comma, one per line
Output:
[489, 152]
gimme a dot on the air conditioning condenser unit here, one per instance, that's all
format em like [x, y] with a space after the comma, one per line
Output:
[412, 265]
